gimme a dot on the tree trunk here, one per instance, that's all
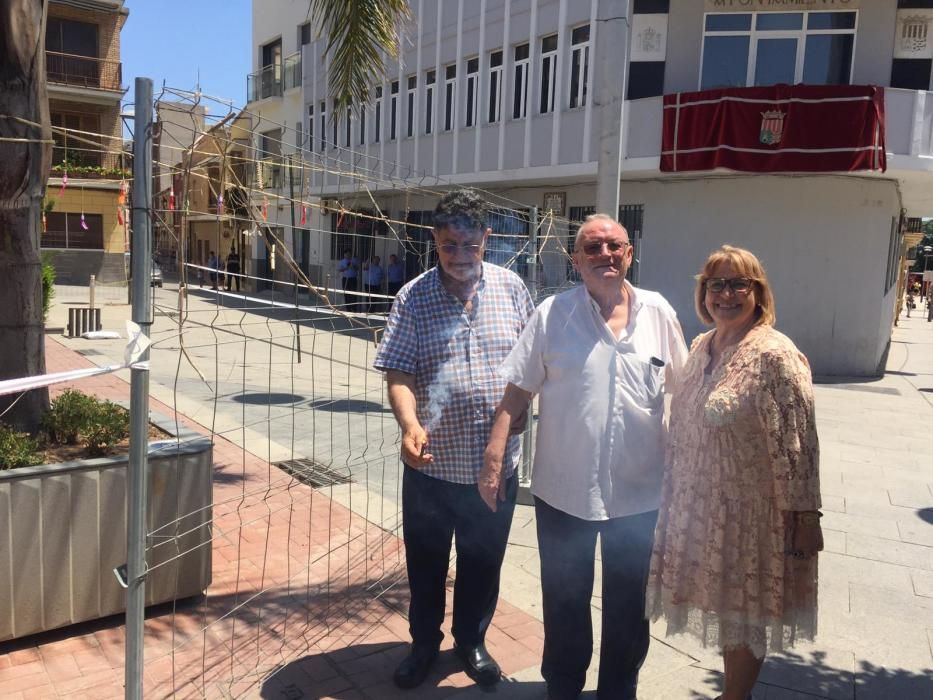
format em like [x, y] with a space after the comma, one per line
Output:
[24, 168]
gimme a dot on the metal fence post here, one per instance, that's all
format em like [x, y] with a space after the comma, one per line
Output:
[137, 476]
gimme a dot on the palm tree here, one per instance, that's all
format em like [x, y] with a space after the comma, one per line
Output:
[357, 32]
[25, 155]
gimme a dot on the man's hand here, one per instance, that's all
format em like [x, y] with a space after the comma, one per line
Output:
[491, 485]
[413, 441]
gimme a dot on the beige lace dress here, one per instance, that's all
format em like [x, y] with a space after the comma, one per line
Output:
[743, 453]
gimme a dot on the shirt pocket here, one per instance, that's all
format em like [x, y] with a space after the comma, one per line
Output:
[643, 380]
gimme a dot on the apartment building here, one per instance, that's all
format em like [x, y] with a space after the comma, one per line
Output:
[84, 228]
[515, 96]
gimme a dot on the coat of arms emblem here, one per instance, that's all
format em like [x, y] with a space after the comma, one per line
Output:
[772, 127]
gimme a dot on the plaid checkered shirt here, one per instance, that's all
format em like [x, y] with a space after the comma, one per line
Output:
[454, 357]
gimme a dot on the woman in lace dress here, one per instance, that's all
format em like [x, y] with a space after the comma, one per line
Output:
[734, 558]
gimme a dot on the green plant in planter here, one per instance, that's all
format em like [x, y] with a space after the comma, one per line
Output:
[67, 418]
[109, 425]
[48, 284]
[17, 449]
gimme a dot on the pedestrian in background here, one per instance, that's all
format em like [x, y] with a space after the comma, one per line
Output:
[395, 275]
[349, 268]
[735, 551]
[374, 275]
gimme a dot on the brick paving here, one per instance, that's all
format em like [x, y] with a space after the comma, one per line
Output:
[318, 617]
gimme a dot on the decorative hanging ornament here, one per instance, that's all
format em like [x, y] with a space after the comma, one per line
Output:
[220, 205]
[64, 180]
[83, 222]
[120, 219]
[304, 216]
[171, 200]
[265, 208]
[121, 198]
[45, 223]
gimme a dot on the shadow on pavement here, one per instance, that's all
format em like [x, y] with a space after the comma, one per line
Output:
[811, 675]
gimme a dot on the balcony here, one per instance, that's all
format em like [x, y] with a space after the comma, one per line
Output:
[83, 71]
[274, 78]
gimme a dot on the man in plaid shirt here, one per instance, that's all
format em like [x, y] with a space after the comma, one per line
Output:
[448, 332]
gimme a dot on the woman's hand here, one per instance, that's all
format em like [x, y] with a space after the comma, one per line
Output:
[807, 538]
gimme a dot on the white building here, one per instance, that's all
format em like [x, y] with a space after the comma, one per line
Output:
[516, 96]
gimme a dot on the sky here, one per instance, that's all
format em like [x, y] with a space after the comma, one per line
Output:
[184, 42]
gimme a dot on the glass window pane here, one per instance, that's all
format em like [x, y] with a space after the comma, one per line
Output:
[831, 20]
[828, 59]
[580, 34]
[771, 21]
[549, 43]
[521, 52]
[495, 59]
[728, 23]
[725, 61]
[776, 62]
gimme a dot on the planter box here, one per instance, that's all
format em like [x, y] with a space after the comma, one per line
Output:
[63, 531]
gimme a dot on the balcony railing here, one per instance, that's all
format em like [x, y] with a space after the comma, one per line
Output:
[274, 78]
[83, 71]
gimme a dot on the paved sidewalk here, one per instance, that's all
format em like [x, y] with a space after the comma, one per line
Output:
[876, 577]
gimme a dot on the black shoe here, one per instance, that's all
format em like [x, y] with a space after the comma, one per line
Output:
[478, 664]
[415, 667]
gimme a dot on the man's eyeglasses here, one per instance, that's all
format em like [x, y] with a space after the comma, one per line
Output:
[739, 285]
[468, 248]
[594, 249]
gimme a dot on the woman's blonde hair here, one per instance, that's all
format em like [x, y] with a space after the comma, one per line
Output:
[745, 264]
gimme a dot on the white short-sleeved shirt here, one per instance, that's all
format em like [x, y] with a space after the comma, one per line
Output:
[599, 452]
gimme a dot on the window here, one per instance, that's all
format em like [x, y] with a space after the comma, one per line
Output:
[299, 135]
[71, 37]
[430, 79]
[270, 153]
[767, 48]
[323, 118]
[472, 92]
[311, 128]
[508, 239]
[75, 148]
[450, 92]
[579, 65]
[412, 93]
[377, 126]
[393, 111]
[548, 73]
[520, 84]
[64, 230]
[213, 186]
[304, 34]
[363, 109]
[348, 125]
[495, 87]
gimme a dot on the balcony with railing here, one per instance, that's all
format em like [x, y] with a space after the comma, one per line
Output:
[273, 79]
[83, 71]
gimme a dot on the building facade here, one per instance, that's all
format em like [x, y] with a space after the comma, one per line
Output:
[85, 231]
[515, 96]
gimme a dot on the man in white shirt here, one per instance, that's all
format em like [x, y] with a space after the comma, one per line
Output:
[600, 356]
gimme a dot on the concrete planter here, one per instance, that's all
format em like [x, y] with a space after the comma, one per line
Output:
[63, 531]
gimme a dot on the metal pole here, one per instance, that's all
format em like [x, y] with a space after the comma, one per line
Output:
[90, 288]
[139, 393]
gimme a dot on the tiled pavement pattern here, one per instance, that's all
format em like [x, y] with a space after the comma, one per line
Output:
[323, 611]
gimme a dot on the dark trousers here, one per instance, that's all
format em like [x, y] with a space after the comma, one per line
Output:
[567, 547]
[350, 301]
[394, 288]
[375, 305]
[433, 512]
[233, 279]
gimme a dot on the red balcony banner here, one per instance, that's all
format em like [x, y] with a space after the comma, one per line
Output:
[782, 128]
